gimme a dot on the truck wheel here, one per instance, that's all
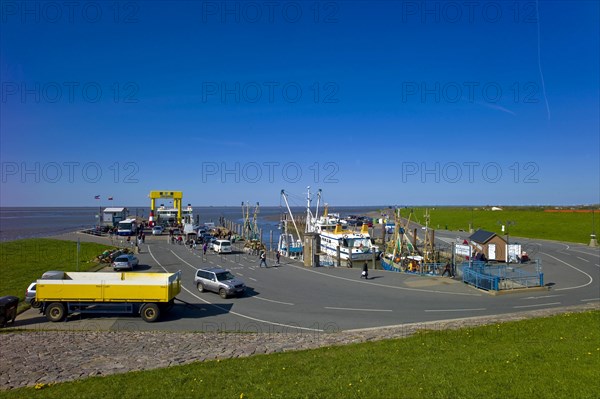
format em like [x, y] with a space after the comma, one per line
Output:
[150, 312]
[223, 293]
[200, 287]
[56, 312]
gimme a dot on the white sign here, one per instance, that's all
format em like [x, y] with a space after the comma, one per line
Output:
[462, 250]
[512, 252]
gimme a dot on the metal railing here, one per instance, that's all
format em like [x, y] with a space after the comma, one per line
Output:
[423, 269]
[502, 276]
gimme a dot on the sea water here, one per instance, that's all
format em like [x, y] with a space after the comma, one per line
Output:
[18, 223]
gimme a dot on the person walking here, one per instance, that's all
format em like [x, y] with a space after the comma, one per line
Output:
[365, 271]
[204, 248]
[263, 259]
[448, 270]
[277, 256]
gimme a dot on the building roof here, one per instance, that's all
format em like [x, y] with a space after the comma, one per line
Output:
[482, 236]
[114, 209]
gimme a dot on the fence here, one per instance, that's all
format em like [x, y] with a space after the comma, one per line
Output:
[496, 277]
[422, 269]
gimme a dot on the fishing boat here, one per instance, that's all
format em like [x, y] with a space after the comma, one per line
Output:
[289, 245]
[352, 245]
[402, 256]
[336, 239]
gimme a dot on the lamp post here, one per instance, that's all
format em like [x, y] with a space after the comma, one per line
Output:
[593, 241]
[471, 228]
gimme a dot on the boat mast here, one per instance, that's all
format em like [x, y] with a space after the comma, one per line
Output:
[309, 226]
[256, 231]
[284, 195]
[318, 202]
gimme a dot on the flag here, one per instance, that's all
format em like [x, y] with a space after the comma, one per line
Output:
[97, 197]
[110, 198]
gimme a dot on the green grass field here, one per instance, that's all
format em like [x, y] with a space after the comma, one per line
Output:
[554, 357]
[24, 261]
[527, 222]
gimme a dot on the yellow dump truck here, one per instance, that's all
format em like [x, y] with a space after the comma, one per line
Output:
[149, 294]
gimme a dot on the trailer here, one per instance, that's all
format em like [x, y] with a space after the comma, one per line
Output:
[149, 294]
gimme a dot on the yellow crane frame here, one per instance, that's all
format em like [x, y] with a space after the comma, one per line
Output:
[175, 195]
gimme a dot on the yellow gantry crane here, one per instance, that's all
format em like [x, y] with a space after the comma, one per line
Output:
[176, 196]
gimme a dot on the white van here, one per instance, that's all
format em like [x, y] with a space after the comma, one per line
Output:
[222, 246]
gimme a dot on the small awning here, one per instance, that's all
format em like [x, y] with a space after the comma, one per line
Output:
[114, 210]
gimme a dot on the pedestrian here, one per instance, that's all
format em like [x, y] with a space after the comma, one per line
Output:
[448, 270]
[263, 259]
[365, 271]
[204, 248]
[277, 256]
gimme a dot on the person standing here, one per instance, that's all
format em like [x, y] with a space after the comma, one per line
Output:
[278, 256]
[204, 248]
[263, 259]
[365, 271]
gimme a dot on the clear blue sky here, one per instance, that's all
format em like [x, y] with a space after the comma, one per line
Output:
[377, 103]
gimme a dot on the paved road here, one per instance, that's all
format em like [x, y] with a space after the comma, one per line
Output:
[293, 298]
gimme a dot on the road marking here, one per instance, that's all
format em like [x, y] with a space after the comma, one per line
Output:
[177, 256]
[236, 313]
[540, 297]
[250, 317]
[454, 310]
[585, 260]
[591, 299]
[539, 304]
[157, 262]
[384, 285]
[253, 279]
[584, 252]
[571, 266]
[272, 300]
[360, 310]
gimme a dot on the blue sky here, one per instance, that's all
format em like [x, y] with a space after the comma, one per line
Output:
[376, 103]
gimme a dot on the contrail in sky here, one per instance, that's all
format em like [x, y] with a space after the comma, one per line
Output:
[539, 58]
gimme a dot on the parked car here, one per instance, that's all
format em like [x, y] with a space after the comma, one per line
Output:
[30, 295]
[157, 230]
[390, 228]
[125, 261]
[219, 280]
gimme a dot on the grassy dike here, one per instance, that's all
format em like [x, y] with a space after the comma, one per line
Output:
[553, 357]
[24, 261]
[527, 222]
